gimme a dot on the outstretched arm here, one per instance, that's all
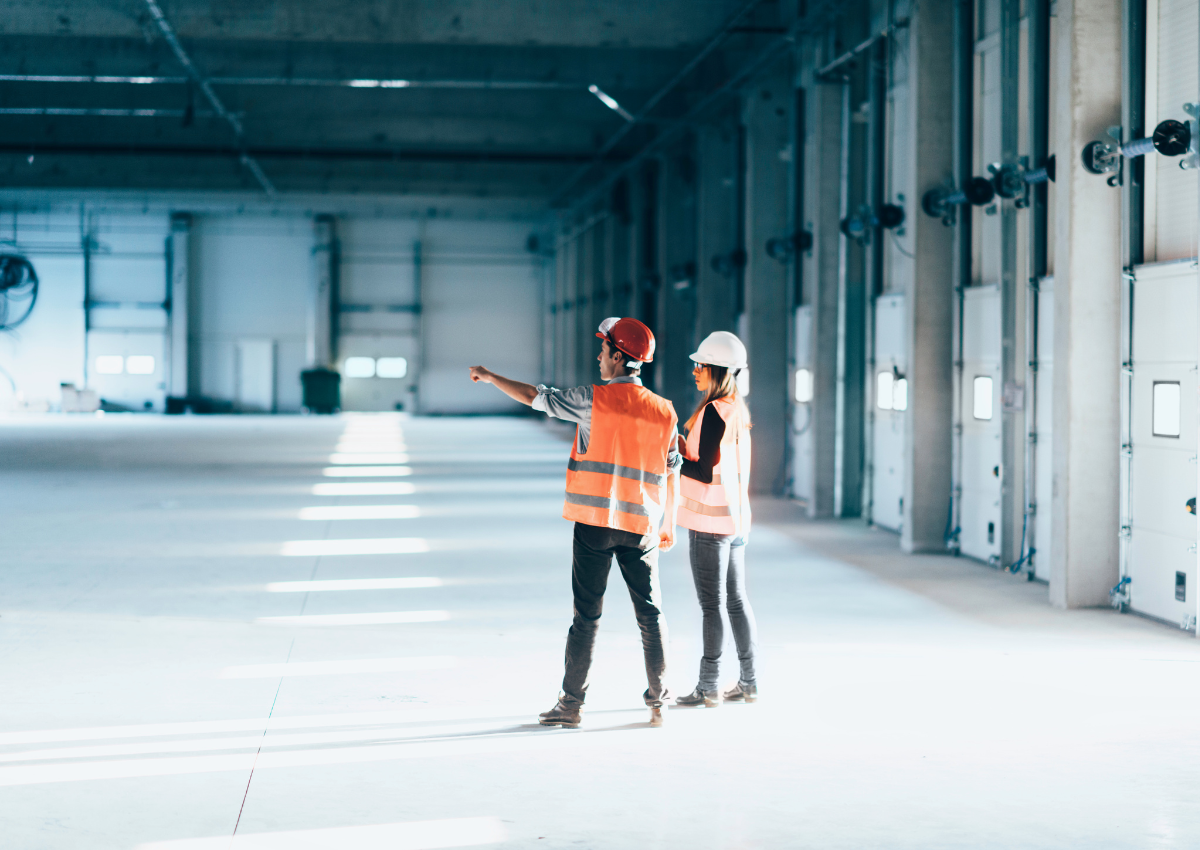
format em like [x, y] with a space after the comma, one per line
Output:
[524, 393]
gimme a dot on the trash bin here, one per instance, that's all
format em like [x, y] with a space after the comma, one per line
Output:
[322, 390]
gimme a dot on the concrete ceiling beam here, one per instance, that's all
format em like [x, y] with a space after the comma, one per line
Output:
[574, 23]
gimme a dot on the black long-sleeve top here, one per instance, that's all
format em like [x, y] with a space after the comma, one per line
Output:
[712, 430]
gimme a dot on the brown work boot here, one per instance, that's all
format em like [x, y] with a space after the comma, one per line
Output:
[698, 698]
[741, 693]
[563, 715]
[656, 716]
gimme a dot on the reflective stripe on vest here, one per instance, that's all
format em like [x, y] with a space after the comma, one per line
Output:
[619, 482]
[722, 507]
[613, 469]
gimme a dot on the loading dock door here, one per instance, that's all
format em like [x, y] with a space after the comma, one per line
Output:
[889, 401]
[979, 518]
[378, 317]
[1161, 545]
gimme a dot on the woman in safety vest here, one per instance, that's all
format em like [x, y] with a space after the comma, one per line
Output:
[715, 508]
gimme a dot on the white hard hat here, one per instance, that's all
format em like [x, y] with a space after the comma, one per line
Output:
[721, 348]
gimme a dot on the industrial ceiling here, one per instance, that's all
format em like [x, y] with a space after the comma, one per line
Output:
[527, 98]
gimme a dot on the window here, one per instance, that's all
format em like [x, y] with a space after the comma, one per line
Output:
[804, 386]
[391, 367]
[982, 402]
[110, 364]
[900, 394]
[884, 388]
[140, 364]
[1166, 409]
[359, 367]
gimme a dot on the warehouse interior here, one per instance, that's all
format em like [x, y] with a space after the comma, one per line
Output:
[274, 573]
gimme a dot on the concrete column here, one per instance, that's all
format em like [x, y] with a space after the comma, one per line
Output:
[180, 293]
[929, 299]
[1087, 308]
[677, 271]
[823, 150]
[768, 119]
[322, 310]
[716, 216]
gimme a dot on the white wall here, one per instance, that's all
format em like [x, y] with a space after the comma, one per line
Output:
[251, 270]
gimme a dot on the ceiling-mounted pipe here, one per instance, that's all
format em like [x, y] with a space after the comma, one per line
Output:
[712, 44]
[335, 82]
[234, 122]
[864, 46]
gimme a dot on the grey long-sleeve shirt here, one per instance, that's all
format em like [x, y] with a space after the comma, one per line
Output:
[575, 405]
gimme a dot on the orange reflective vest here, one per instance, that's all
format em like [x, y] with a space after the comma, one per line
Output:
[619, 482]
[722, 507]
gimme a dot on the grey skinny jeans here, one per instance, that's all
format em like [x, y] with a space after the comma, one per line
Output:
[719, 570]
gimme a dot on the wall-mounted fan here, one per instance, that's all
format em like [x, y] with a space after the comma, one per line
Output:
[18, 290]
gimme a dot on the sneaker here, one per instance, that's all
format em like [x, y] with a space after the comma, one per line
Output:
[561, 715]
[656, 716]
[698, 697]
[741, 693]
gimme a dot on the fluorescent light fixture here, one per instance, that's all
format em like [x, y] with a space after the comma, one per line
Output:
[1166, 409]
[408, 583]
[333, 668]
[414, 835]
[140, 364]
[361, 546]
[900, 394]
[368, 457]
[884, 385]
[609, 101]
[359, 367]
[367, 471]
[391, 367]
[378, 618]
[981, 405]
[110, 364]
[373, 488]
[360, 512]
[378, 84]
[804, 386]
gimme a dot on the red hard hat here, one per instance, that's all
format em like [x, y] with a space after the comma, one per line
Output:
[630, 337]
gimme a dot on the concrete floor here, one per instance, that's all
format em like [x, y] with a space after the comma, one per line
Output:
[163, 686]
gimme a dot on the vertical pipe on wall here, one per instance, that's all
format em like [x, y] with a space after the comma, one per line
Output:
[322, 308]
[85, 243]
[418, 272]
[1133, 121]
[178, 295]
[1038, 146]
[877, 79]
[964, 146]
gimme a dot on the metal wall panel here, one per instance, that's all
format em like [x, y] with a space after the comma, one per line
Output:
[1178, 79]
[887, 455]
[979, 521]
[1162, 470]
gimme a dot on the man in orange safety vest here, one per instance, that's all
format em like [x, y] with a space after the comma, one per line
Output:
[622, 493]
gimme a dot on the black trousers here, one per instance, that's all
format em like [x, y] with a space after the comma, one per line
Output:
[592, 555]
